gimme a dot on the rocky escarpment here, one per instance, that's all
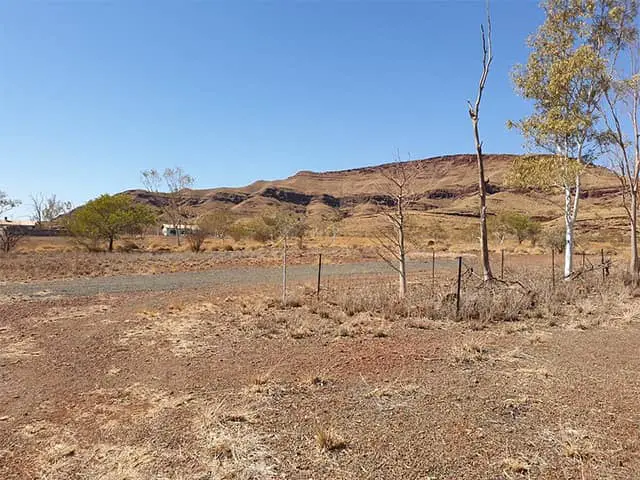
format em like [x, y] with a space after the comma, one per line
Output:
[440, 183]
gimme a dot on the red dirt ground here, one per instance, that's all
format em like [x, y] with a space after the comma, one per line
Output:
[190, 386]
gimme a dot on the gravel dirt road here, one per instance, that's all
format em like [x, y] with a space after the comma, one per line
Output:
[223, 277]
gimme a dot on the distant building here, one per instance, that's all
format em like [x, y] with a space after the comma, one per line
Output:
[170, 230]
[18, 225]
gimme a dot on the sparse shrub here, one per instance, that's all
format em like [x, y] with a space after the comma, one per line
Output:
[195, 239]
[555, 239]
[217, 223]
[294, 301]
[258, 230]
[9, 238]
[238, 231]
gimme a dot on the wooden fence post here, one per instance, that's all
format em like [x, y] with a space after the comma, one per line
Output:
[458, 290]
[602, 263]
[502, 264]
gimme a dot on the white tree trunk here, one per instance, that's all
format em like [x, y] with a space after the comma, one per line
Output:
[568, 249]
[570, 216]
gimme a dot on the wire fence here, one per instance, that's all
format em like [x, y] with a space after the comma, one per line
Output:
[455, 277]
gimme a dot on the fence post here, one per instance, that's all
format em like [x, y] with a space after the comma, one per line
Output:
[602, 263]
[319, 274]
[458, 290]
[553, 268]
[502, 264]
[583, 255]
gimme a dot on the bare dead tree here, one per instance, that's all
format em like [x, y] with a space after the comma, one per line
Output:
[474, 114]
[47, 208]
[169, 186]
[622, 97]
[392, 242]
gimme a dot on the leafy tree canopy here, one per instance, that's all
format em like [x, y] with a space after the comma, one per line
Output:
[108, 217]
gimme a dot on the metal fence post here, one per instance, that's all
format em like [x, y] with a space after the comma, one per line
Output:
[319, 274]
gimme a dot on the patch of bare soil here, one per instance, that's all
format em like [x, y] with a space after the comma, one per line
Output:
[195, 386]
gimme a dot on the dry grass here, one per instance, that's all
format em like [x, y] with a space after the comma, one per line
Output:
[328, 440]
[470, 352]
[518, 466]
[230, 446]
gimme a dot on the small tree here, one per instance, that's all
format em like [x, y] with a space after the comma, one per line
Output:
[174, 181]
[47, 208]
[392, 241]
[331, 225]
[283, 226]
[519, 225]
[107, 218]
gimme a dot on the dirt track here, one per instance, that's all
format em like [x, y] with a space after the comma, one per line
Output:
[241, 275]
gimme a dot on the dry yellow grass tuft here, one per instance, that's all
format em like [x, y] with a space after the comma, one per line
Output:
[328, 440]
[513, 465]
[470, 352]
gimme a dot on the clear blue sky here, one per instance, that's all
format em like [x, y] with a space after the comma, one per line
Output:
[233, 91]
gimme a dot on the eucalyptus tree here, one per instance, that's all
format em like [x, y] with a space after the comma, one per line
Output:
[564, 78]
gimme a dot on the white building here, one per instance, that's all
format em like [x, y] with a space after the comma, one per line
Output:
[170, 230]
